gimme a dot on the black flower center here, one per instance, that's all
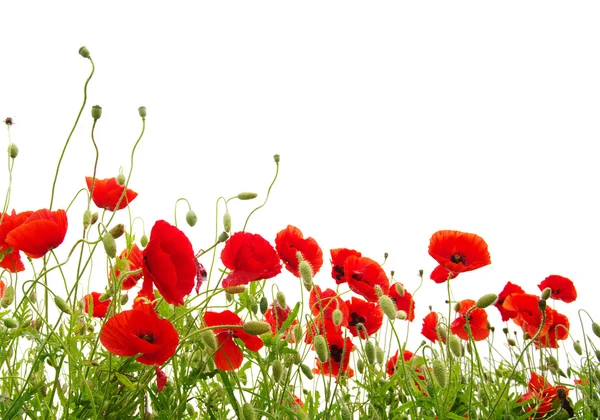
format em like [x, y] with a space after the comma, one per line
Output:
[356, 319]
[458, 257]
[336, 353]
[339, 272]
[149, 337]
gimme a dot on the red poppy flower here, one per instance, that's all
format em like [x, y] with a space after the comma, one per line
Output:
[339, 355]
[276, 316]
[338, 258]
[441, 275]
[93, 306]
[558, 330]
[562, 288]
[324, 303]
[140, 330]
[250, 257]
[132, 260]
[542, 394]
[363, 274]
[107, 193]
[477, 319]
[392, 363]
[228, 355]
[429, 329]
[368, 314]
[459, 251]
[10, 258]
[509, 289]
[2, 288]
[169, 263]
[42, 231]
[529, 316]
[404, 303]
[291, 240]
[161, 379]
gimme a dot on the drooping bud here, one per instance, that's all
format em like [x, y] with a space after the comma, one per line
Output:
[297, 333]
[223, 236]
[401, 315]
[13, 150]
[117, 231]
[247, 196]
[144, 241]
[276, 158]
[62, 305]
[87, 218]
[10, 323]
[209, 339]
[229, 297]
[360, 366]
[96, 112]
[439, 372]
[387, 306]
[511, 342]
[94, 218]
[306, 275]
[248, 412]
[191, 218]
[551, 360]
[264, 305]
[345, 412]
[454, 345]
[277, 369]
[337, 317]
[121, 180]
[124, 299]
[227, 222]
[379, 355]
[577, 347]
[9, 296]
[596, 329]
[256, 327]
[321, 348]
[487, 300]
[142, 112]
[110, 246]
[546, 293]
[84, 52]
[400, 289]
[281, 299]
[370, 351]
[306, 371]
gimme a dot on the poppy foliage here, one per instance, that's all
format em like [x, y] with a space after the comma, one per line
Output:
[106, 193]
[140, 330]
[289, 241]
[40, 232]
[459, 251]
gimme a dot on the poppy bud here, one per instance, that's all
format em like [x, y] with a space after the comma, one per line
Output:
[336, 317]
[144, 241]
[321, 348]
[551, 360]
[511, 342]
[9, 296]
[298, 333]
[247, 196]
[277, 369]
[110, 245]
[542, 304]
[10, 323]
[105, 296]
[345, 412]
[124, 299]
[37, 324]
[87, 218]
[596, 329]
[121, 180]
[401, 315]
[190, 410]
[94, 218]
[439, 372]
[379, 355]
[13, 150]
[306, 275]
[62, 305]
[457, 307]
[264, 305]
[360, 366]
[454, 345]
[276, 158]
[117, 231]
[229, 297]
[84, 52]
[248, 412]
[97, 113]
[223, 236]
[191, 218]
[281, 299]
[378, 290]
[256, 327]
[227, 222]
[420, 273]
[400, 289]
[387, 306]
[296, 358]
[306, 371]
[577, 347]
[370, 351]
[546, 293]
[142, 112]
[209, 339]
[487, 300]
[505, 330]
[254, 309]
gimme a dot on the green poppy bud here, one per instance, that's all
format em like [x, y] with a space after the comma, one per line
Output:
[454, 345]
[487, 300]
[121, 180]
[97, 112]
[191, 218]
[144, 241]
[597, 352]
[94, 218]
[105, 296]
[281, 299]
[227, 222]
[235, 290]
[124, 299]
[379, 355]
[439, 372]
[10, 323]
[401, 315]
[247, 196]
[542, 304]
[13, 150]
[256, 327]
[142, 112]
[248, 412]
[209, 339]
[190, 410]
[546, 293]
[577, 347]
[306, 371]
[378, 290]
[370, 351]
[457, 306]
[277, 369]
[110, 245]
[276, 158]
[321, 348]
[264, 305]
[400, 289]
[117, 231]
[223, 236]
[387, 306]
[345, 412]
[87, 218]
[336, 317]
[84, 52]
[254, 307]
[511, 342]
[360, 366]
[596, 329]
[9, 296]
[297, 333]
[62, 305]
[306, 275]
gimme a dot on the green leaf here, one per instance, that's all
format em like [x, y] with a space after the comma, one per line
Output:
[125, 381]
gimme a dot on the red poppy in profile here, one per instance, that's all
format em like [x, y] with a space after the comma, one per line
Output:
[40, 232]
[107, 193]
[338, 258]
[10, 258]
[542, 394]
[441, 275]
[529, 316]
[276, 316]
[323, 303]
[140, 330]
[132, 260]
[168, 263]
[558, 330]
[289, 241]
[459, 251]
[228, 355]
[250, 257]
[93, 306]
[477, 320]
[404, 302]
[429, 329]
[161, 379]
[363, 274]
[392, 363]
[339, 355]
[509, 289]
[368, 314]
[562, 288]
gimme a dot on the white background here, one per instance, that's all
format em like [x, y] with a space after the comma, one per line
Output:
[393, 120]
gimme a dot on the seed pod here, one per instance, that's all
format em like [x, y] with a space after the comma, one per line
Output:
[511, 342]
[84, 52]
[248, 412]
[277, 369]
[264, 305]
[276, 158]
[191, 218]
[110, 245]
[306, 371]
[439, 372]
[13, 150]
[256, 327]
[321, 348]
[62, 305]
[486, 300]
[246, 196]
[281, 299]
[370, 351]
[387, 306]
[142, 112]
[227, 222]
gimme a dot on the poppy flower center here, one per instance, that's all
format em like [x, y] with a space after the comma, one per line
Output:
[356, 319]
[458, 257]
[336, 353]
[149, 337]
[340, 272]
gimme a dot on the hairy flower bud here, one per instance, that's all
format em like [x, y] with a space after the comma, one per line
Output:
[379, 355]
[577, 347]
[542, 304]
[248, 412]
[110, 245]
[400, 289]
[247, 196]
[401, 315]
[306, 371]
[387, 306]
[457, 306]
[121, 180]
[277, 369]
[370, 351]
[321, 348]
[227, 222]
[117, 230]
[345, 412]
[209, 339]
[439, 372]
[105, 296]
[9, 296]
[191, 218]
[84, 52]
[511, 342]
[487, 300]
[96, 112]
[94, 218]
[596, 329]
[13, 150]
[256, 327]
[281, 299]
[337, 317]
[144, 241]
[142, 112]
[10, 323]
[454, 345]
[360, 366]
[297, 333]
[124, 299]
[306, 275]
[62, 305]
[264, 305]
[87, 218]
[546, 293]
